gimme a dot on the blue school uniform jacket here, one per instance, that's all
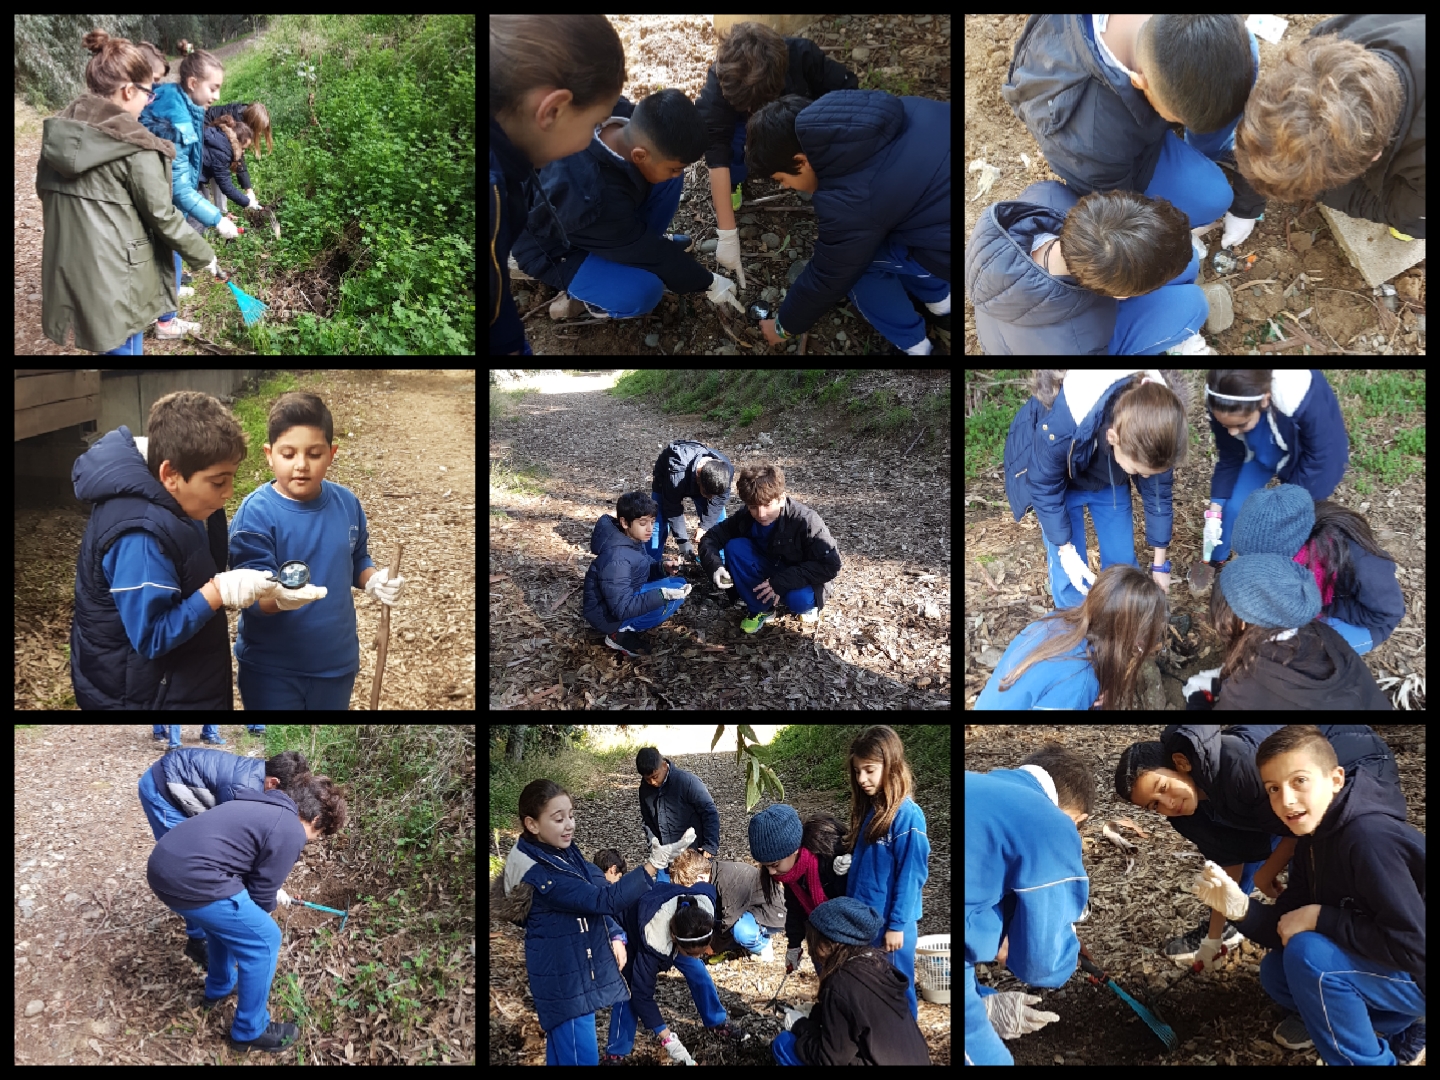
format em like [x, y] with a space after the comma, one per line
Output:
[249, 844]
[512, 182]
[194, 780]
[883, 164]
[651, 947]
[1095, 129]
[1020, 309]
[1392, 190]
[594, 207]
[142, 636]
[174, 117]
[574, 914]
[612, 584]
[681, 802]
[1376, 601]
[1024, 878]
[1365, 866]
[674, 480]
[889, 873]
[1064, 682]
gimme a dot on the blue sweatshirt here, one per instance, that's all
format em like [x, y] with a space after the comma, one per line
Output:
[328, 533]
[890, 873]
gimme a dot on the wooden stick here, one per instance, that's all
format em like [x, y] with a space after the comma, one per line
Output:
[382, 635]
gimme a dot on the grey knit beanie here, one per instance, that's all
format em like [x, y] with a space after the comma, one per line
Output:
[1270, 589]
[847, 920]
[775, 834]
[1277, 520]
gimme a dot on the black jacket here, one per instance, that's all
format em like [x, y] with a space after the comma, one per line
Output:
[862, 1018]
[800, 545]
[681, 802]
[674, 481]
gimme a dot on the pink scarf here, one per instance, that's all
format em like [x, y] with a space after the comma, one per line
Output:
[804, 879]
[1308, 558]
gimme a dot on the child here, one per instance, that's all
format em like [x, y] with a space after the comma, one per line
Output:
[673, 801]
[1025, 888]
[1076, 443]
[777, 549]
[1265, 608]
[177, 115]
[222, 870]
[226, 140]
[805, 860]
[292, 655]
[1110, 274]
[1359, 589]
[605, 246]
[256, 117]
[745, 917]
[1100, 92]
[1340, 118]
[572, 967]
[688, 470]
[880, 168]
[104, 187]
[170, 733]
[859, 1015]
[553, 78]
[185, 783]
[625, 591]
[1347, 938]
[1267, 424]
[890, 845]
[753, 66]
[611, 863]
[148, 578]
[1212, 797]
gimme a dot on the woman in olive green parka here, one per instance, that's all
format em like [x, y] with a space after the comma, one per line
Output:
[110, 221]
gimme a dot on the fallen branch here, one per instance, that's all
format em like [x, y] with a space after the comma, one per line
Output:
[912, 445]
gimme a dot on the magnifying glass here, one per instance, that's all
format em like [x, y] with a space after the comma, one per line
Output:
[294, 574]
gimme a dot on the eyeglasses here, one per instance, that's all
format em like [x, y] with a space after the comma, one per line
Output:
[150, 90]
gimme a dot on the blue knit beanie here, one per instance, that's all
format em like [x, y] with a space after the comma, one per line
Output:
[775, 833]
[846, 920]
[1272, 590]
[1278, 520]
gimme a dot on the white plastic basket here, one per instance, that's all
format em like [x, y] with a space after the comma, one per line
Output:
[932, 968]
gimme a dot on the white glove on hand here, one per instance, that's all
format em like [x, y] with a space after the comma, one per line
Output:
[1211, 950]
[283, 898]
[676, 1049]
[722, 291]
[214, 267]
[290, 599]
[842, 864]
[254, 199]
[1217, 890]
[1202, 680]
[1213, 526]
[792, 960]
[382, 588]
[241, 588]
[792, 1015]
[723, 580]
[1237, 229]
[227, 229]
[1011, 1015]
[661, 854]
[1075, 569]
[727, 253]
[677, 594]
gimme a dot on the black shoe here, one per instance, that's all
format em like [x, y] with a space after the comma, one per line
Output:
[940, 321]
[197, 950]
[628, 642]
[1182, 949]
[276, 1037]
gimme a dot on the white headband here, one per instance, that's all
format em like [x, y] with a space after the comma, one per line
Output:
[1234, 397]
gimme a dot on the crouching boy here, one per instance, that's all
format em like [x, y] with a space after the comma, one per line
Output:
[624, 591]
[1348, 935]
[775, 549]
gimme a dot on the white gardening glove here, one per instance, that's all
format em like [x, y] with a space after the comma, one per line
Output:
[661, 854]
[290, 599]
[241, 588]
[722, 291]
[254, 202]
[227, 229]
[842, 865]
[1211, 950]
[1211, 537]
[676, 1049]
[283, 898]
[723, 580]
[727, 253]
[1202, 680]
[1011, 1015]
[382, 588]
[792, 960]
[677, 594]
[792, 1015]
[1075, 569]
[1217, 890]
[1237, 229]
[214, 267]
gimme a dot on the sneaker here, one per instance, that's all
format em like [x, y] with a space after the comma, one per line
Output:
[736, 198]
[809, 616]
[733, 1033]
[175, 329]
[753, 624]
[216, 741]
[1409, 1046]
[1291, 1034]
[185, 292]
[1182, 949]
[197, 950]
[276, 1037]
[628, 642]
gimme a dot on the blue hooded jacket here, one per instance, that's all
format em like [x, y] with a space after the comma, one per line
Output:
[652, 948]
[194, 780]
[174, 117]
[612, 584]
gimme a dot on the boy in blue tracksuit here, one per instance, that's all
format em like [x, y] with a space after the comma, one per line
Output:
[687, 469]
[625, 592]
[1025, 887]
[879, 168]
[299, 649]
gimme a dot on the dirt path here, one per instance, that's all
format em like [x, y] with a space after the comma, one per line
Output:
[883, 640]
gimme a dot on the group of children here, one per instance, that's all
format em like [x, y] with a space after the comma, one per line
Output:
[776, 549]
[1346, 937]
[593, 221]
[853, 895]
[150, 583]
[228, 830]
[119, 179]
[1105, 262]
[1305, 591]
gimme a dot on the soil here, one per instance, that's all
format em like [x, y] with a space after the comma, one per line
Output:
[1342, 312]
[901, 54]
[1222, 1017]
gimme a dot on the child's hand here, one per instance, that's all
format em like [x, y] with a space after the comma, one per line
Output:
[894, 939]
[383, 589]
[290, 599]
[1297, 922]
[227, 229]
